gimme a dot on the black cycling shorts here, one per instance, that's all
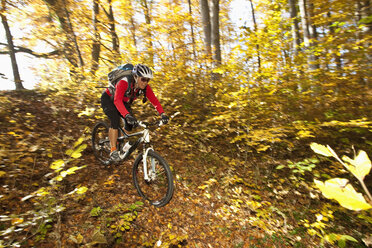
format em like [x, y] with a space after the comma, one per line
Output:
[112, 112]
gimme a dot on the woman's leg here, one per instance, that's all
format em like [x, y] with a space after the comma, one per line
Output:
[113, 136]
[114, 116]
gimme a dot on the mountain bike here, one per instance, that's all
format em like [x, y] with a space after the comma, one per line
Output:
[151, 173]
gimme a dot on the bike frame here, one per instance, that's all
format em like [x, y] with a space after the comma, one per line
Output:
[145, 139]
[157, 192]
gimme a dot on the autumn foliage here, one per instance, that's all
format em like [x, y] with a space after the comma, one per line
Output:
[239, 148]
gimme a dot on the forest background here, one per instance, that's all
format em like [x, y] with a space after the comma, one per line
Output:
[250, 100]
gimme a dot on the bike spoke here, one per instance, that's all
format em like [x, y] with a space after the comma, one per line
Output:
[101, 143]
[157, 187]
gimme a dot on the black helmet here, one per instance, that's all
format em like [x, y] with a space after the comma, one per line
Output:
[142, 71]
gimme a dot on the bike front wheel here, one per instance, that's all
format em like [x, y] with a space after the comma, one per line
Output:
[158, 188]
[101, 143]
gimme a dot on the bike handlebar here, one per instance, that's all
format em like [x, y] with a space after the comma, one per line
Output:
[146, 124]
[158, 123]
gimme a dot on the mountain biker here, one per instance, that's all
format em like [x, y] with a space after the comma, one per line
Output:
[118, 104]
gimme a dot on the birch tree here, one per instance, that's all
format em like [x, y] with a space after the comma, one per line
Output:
[306, 33]
[295, 27]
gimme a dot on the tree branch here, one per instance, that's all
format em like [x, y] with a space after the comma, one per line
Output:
[104, 10]
[19, 49]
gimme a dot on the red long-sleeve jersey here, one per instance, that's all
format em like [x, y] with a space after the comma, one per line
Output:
[119, 97]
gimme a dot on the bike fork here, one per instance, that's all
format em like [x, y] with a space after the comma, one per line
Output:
[144, 159]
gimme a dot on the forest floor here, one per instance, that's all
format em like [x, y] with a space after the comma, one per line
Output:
[216, 203]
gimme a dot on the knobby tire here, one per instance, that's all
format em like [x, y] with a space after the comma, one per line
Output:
[101, 151]
[147, 190]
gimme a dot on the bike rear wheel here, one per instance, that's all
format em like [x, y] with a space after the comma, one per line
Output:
[158, 190]
[101, 143]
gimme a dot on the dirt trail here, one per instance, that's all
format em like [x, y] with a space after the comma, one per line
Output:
[202, 213]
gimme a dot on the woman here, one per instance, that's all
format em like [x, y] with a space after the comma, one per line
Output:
[116, 101]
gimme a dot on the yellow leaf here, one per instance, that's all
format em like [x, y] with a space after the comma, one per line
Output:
[76, 154]
[17, 221]
[172, 236]
[262, 148]
[109, 181]
[312, 232]
[81, 148]
[73, 169]
[272, 92]
[59, 178]
[360, 166]
[203, 186]
[87, 112]
[79, 141]
[41, 192]
[254, 205]
[58, 164]
[81, 190]
[344, 193]
[218, 70]
[320, 149]
[2, 173]
[305, 134]
[79, 238]
[14, 134]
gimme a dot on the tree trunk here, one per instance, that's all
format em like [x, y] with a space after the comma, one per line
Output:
[306, 33]
[337, 57]
[363, 11]
[194, 82]
[133, 27]
[96, 47]
[81, 62]
[150, 45]
[295, 27]
[216, 32]
[312, 28]
[304, 23]
[313, 35]
[367, 12]
[17, 78]
[207, 27]
[133, 32]
[255, 30]
[192, 30]
[114, 36]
